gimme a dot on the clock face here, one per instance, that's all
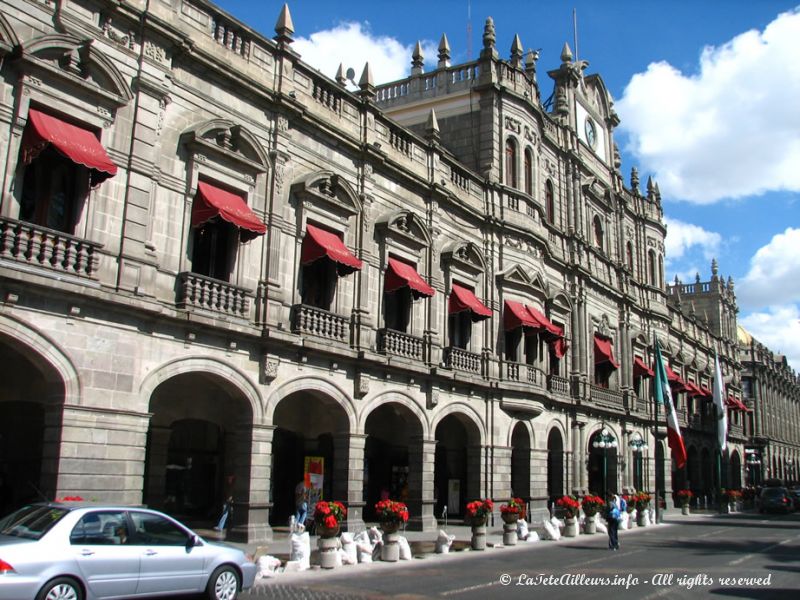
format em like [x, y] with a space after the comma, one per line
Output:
[591, 132]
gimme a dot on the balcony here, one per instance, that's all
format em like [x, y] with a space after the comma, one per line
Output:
[461, 360]
[606, 397]
[199, 291]
[398, 343]
[53, 250]
[524, 373]
[309, 320]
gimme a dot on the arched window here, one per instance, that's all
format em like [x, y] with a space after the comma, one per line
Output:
[660, 271]
[598, 233]
[511, 163]
[651, 267]
[528, 172]
[549, 201]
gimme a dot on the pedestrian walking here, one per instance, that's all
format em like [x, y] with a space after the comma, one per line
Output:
[612, 516]
[301, 503]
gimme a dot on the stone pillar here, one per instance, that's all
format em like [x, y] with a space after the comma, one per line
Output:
[501, 473]
[583, 452]
[421, 463]
[577, 459]
[475, 474]
[253, 473]
[538, 480]
[348, 476]
[156, 453]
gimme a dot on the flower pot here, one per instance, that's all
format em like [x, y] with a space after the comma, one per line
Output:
[590, 525]
[685, 509]
[570, 527]
[328, 548]
[642, 518]
[509, 517]
[327, 532]
[390, 551]
[390, 526]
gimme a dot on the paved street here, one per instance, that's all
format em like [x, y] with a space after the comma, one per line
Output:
[701, 556]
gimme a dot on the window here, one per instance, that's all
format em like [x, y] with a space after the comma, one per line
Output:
[214, 249]
[604, 362]
[460, 329]
[598, 233]
[512, 340]
[651, 267]
[61, 162]
[549, 201]
[324, 258]
[154, 530]
[397, 309]
[401, 284]
[528, 172]
[318, 284]
[104, 528]
[511, 163]
[629, 256]
[463, 309]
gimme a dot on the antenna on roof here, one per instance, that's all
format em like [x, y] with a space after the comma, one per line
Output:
[469, 30]
[575, 32]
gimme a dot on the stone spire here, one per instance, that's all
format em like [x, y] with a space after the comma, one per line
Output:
[444, 52]
[566, 54]
[651, 189]
[714, 269]
[432, 127]
[489, 38]
[284, 26]
[417, 60]
[341, 79]
[517, 52]
[367, 83]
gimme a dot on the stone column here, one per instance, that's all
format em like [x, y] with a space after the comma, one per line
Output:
[583, 451]
[253, 472]
[157, 465]
[348, 476]
[475, 474]
[501, 473]
[421, 461]
[577, 459]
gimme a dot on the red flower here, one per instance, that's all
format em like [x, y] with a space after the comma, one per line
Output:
[330, 522]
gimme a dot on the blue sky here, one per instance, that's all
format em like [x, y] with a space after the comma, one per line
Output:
[708, 92]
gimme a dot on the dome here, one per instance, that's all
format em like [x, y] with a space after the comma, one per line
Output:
[743, 335]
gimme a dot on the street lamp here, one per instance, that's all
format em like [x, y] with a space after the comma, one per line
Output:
[753, 463]
[638, 446]
[605, 441]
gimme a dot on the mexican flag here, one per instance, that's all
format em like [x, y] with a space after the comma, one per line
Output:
[664, 396]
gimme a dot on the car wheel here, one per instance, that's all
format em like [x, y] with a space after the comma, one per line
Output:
[61, 588]
[223, 584]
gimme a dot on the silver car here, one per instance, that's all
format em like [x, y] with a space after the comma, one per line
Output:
[63, 551]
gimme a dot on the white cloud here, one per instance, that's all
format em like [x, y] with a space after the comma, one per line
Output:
[779, 329]
[681, 237]
[353, 44]
[774, 276]
[728, 131]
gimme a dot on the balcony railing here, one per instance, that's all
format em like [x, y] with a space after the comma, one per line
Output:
[462, 360]
[558, 385]
[398, 343]
[42, 247]
[524, 373]
[199, 291]
[320, 323]
[606, 397]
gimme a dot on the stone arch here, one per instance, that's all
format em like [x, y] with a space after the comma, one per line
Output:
[398, 397]
[555, 445]
[527, 425]
[522, 441]
[465, 410]
[7, 33]
[312, 384]
[45, 352]
[231, 137]
[229, 373]
[602, 465]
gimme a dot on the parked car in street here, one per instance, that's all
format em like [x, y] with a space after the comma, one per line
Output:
[81, 551]
[794, 495]
[775, 499]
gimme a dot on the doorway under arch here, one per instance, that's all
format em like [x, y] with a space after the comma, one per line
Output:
[521, 462]
[555, 465]
[457, 464]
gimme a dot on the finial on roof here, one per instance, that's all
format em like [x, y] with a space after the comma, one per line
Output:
[417, 60]
[432, 126]
[489, 37]
[284, 26]
[566, 54]
[730, 283]
[714, 268]
[366, 83]
[444, 52]
[651, 190]
[530, 63]
[635, 181]
[697, 277]
[341, 78]
[517, 51]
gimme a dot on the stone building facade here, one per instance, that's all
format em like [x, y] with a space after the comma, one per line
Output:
[216, 262]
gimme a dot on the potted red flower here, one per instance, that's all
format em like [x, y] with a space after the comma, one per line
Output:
[684, 497]
[479, 510]
[328, 517]
[592, 505]
[391, 514]
[513, 510]
[570, 505]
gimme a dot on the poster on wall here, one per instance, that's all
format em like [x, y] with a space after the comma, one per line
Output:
[313, 473]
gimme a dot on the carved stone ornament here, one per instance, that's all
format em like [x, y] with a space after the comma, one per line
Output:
[433, 397]
[270, 368]
[282, 124]
[155, 52]
[513, 124]
[361, 385]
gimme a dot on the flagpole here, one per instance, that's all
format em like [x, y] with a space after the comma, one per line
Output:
[655, 435]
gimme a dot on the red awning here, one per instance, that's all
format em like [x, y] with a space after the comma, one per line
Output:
[731, 402]
[211, 201]
[640, 369]
[675, 380]
[544, 322]
[79, 145]
[706, 392]
[319, 243]
[400, 274]
[603, 352]
[516, 314]
[693, 389]
[462, 299]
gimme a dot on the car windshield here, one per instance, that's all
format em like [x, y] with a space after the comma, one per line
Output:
[773, 492]
[31, 522]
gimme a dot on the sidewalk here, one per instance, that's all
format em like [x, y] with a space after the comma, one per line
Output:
[423, 546]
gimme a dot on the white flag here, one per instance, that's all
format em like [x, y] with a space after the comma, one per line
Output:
[719, 403]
